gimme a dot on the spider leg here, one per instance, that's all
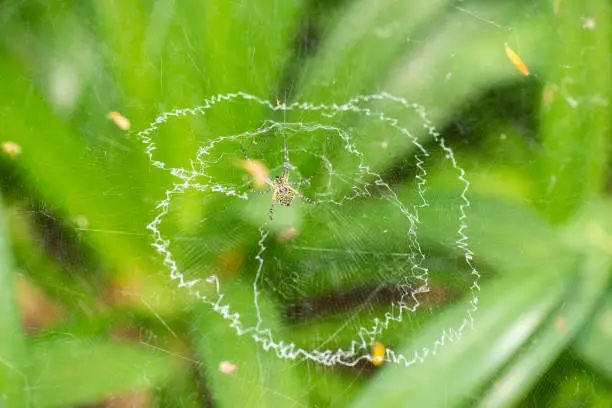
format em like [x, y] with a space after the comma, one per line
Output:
[304, 198]
[246, 156]
[272, 204]
[271, 211]
[305, 181]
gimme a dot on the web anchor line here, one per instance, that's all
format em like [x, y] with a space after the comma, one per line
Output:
[209, 289]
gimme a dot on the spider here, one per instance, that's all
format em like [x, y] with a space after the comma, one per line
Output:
[282, 191]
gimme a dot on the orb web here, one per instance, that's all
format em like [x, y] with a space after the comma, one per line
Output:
[343, 261]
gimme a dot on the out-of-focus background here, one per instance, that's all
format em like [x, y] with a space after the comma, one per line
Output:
[89, 315]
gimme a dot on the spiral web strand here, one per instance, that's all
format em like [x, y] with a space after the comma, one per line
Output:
[196, 177]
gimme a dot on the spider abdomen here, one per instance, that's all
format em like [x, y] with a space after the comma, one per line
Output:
[285, 197]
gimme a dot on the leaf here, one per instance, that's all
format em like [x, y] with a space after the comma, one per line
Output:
[576, 117]
[590, 233]
[593, 344]
[247, 43]
[365, 42]
[510, 238]
[13, 383]
[534, 359]
[261, 379]
[461, 57]
[511, 310]
[591, 230]
[73, 371]
[524, 323]
[38, 264]
[187, 51]
[576, 387]
[54, 160]
[498, 230]
[464, 55]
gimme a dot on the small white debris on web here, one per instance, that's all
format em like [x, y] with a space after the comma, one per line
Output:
[384, 144]
[65, 85]
[81, 221]
[11, 148]
[588, 23]
[225, 367]
[121, 121]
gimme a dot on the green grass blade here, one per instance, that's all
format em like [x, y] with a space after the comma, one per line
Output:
[548, 344]
[498, 230]
[261, 378]
[576, 115]
[180, 52]
[593, 344]
[39, 265]
[462, 53]
[494, 233]
[358, 52]
[493, 364]
[247, 43]
[461, 57]
[13, 383]
[511, 310]
[574, 386]
[591, 231]
[74, 371]
[56, 162]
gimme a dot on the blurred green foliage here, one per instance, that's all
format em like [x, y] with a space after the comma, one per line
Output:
[97, 319]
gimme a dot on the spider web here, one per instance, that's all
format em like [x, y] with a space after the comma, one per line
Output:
[344, 273]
